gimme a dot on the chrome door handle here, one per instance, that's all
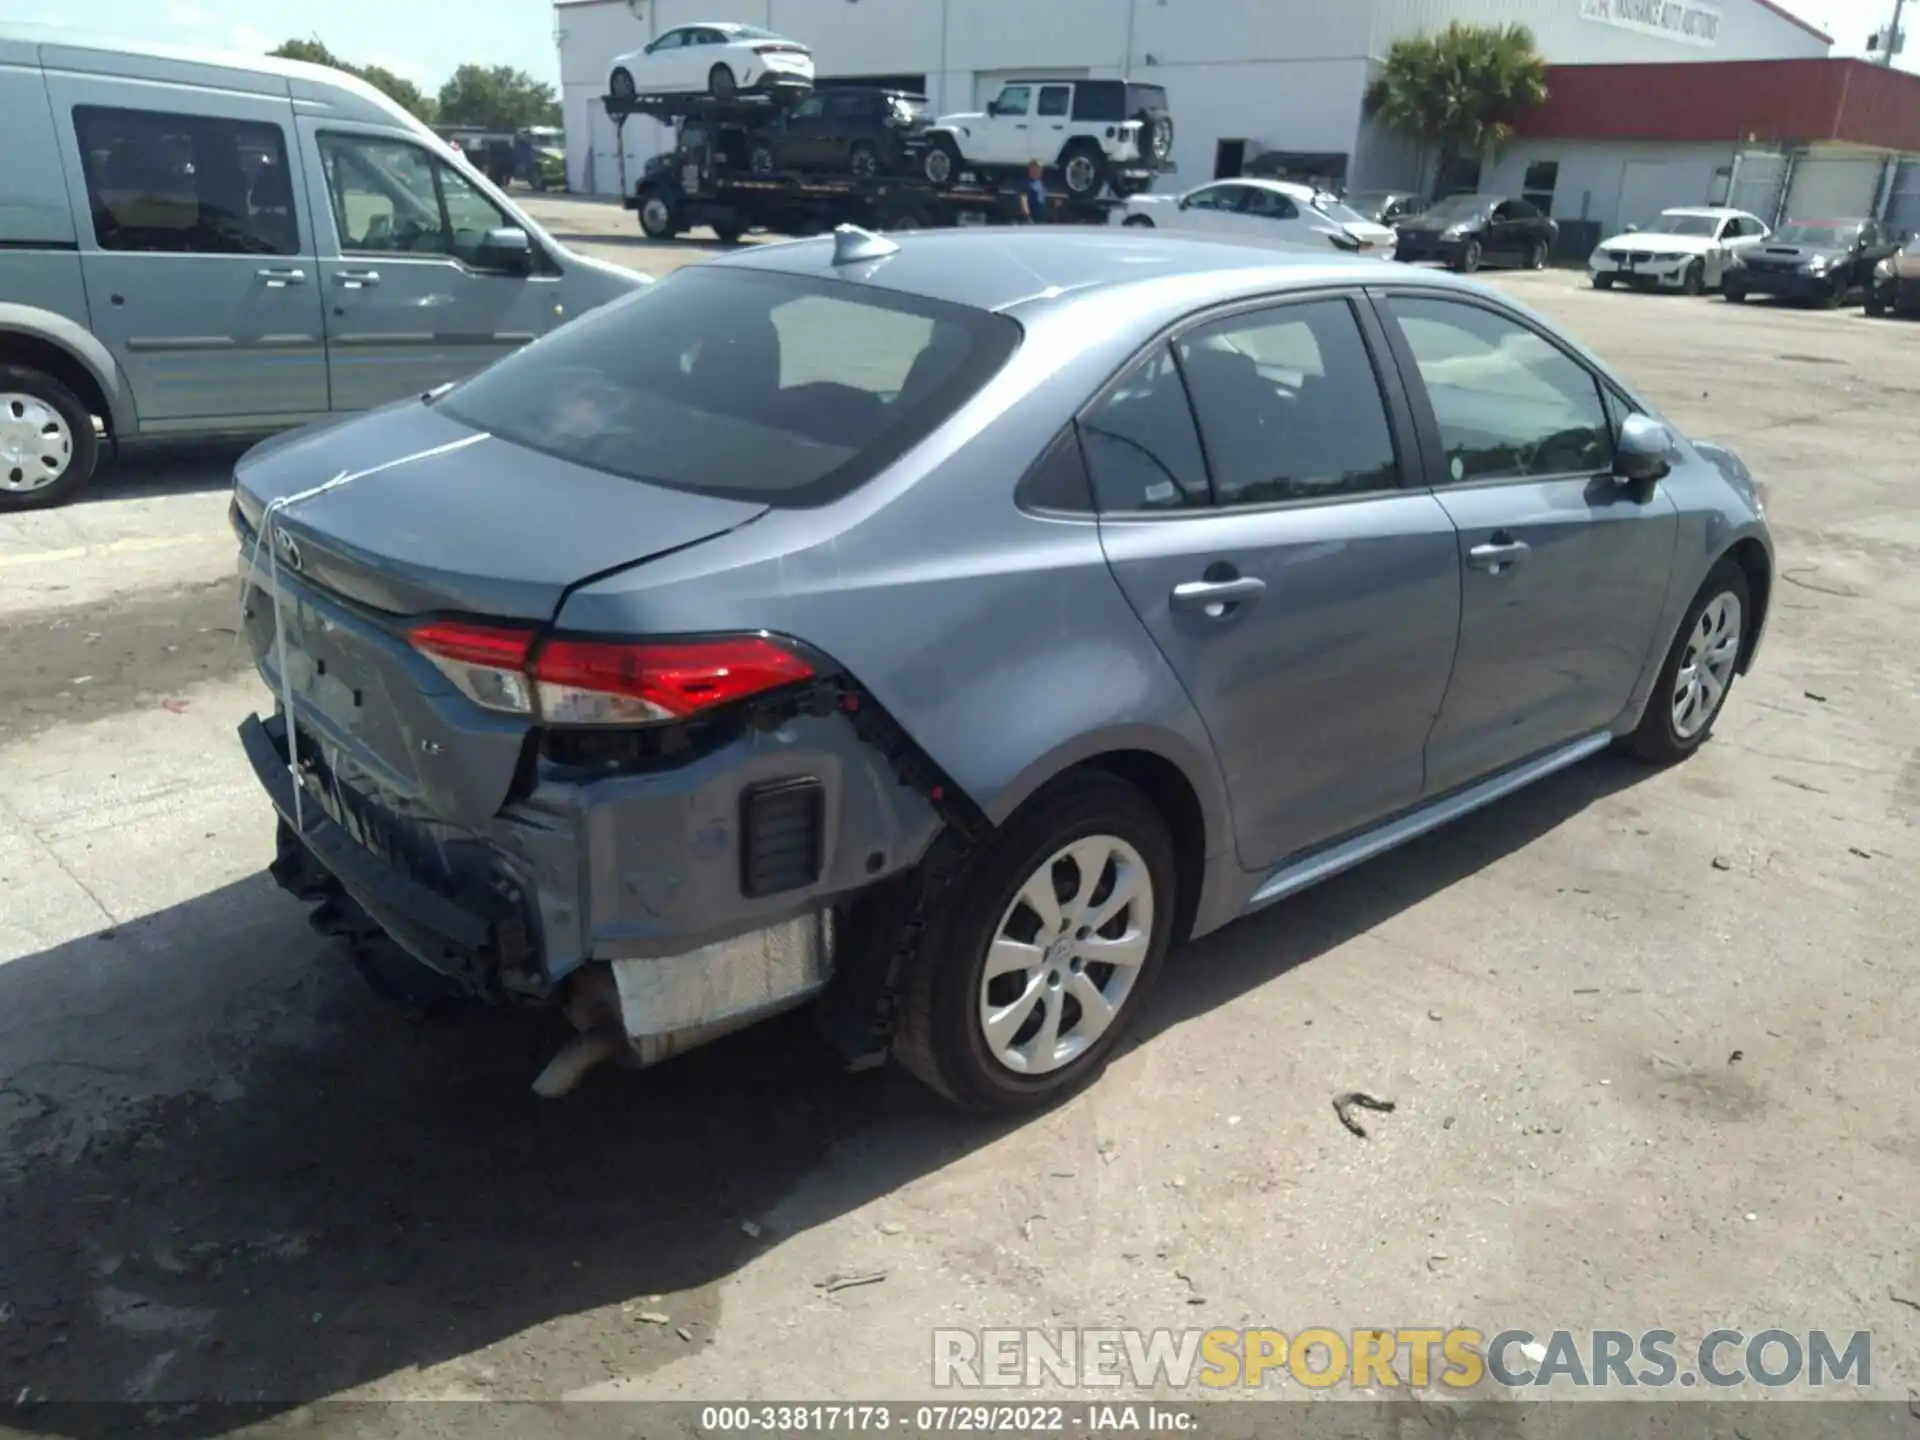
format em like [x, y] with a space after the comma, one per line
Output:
[280, 279]
[357, 279]
[1498, 555]
[1213, 598]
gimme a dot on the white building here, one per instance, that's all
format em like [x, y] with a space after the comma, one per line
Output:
[1242, 76]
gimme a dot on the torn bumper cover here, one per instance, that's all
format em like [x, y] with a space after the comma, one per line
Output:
[454, 903]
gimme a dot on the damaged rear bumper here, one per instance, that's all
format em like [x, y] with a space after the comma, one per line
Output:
[317, 859]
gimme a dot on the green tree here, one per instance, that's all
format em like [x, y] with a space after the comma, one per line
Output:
[497, 97]
[1460, 91]
[404, 92]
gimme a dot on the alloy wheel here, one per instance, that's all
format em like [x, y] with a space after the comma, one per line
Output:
[1706, 667]
[939, 165]
[36, 445]
[1081, 175]
[1066, 955]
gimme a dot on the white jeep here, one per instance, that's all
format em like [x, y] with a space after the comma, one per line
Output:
[1092, 132]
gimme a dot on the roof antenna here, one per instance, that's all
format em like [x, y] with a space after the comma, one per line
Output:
[851, 245]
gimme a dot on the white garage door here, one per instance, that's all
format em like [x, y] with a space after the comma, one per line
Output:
[1903, 206]
[1759, 180]
[1835, 189]
[1649, 186]
[987, 83]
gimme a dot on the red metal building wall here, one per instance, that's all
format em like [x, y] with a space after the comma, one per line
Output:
[1784, 101]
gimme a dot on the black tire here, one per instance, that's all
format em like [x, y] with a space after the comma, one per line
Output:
[764, 160]
[1603, 282]
[1537, 255]
[721, 84]
[1874, 308]
[1694, 282]
[940, 1039]
[1733, 294]
[863, 161]
[81, 448]
[1156, 135]
[620, 83]
[728, 232]
[659, 217]
[1083, 169]
[1471, 254]
[1139, 222]
[941, 164]
[1835, 295]
[1656, 740]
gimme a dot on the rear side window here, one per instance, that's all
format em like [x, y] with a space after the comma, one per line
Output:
[1141, 445]
[186, 184]
[744, 384]
[1055, 99]
[1289, 405]
[1100, 101]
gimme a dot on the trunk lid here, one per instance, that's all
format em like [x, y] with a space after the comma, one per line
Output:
[441, 519]
[447, 518]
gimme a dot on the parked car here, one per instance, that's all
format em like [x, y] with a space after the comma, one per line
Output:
[718, 58]
[1465, 231]
[1112, 133]
[1824, 261]
[1895, 285]
[1385, 207]
[1272, 210]
[186, 248]
[856, 130]
[885, 624]
[1688, 249]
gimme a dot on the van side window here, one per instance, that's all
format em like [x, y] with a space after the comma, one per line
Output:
[390, 197]
[186, 184]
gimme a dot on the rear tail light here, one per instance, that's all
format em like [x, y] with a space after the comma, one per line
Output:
[571, 681]
[779, 50]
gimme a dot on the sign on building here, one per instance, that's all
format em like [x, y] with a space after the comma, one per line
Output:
[1688, 21]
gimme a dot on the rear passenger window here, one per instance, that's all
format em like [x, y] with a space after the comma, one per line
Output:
[1055, 99]
[186, 184]
[1141, 445]
[1289, 405]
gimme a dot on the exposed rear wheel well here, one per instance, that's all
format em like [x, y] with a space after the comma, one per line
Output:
[1161, 781]
[1751, 557]
[37, 354]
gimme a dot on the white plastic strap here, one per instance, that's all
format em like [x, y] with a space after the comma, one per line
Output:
[269, 523]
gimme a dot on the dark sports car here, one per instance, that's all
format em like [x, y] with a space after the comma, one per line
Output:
[1823, 261]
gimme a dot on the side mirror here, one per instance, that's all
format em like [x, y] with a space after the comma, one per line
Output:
[507, 248]
[1645, 451]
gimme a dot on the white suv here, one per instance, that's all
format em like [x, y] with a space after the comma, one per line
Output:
[1093, 132]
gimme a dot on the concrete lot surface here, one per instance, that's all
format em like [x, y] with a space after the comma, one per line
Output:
[1652, 1036]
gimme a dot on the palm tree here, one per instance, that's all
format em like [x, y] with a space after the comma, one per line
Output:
[1461, 90]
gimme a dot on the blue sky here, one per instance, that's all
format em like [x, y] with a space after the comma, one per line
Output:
[424, 42]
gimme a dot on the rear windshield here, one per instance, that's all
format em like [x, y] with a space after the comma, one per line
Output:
[740, 383]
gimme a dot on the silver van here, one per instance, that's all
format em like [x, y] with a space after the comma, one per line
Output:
[192, 243]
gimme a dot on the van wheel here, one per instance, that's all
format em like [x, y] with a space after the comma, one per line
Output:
[1036, 959]
[47, 446]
